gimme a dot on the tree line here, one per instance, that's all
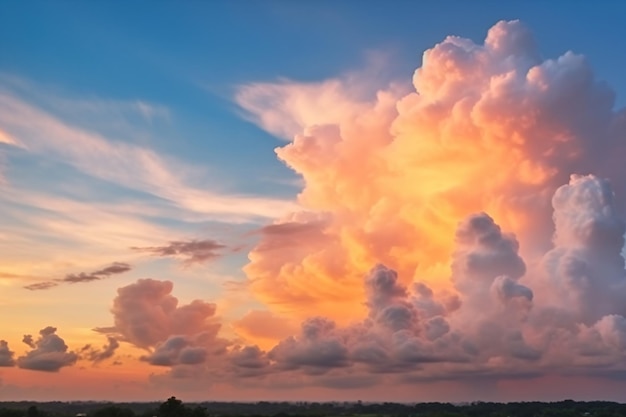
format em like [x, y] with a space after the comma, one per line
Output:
[174, 407]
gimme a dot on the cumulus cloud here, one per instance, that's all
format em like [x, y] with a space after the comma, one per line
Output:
[6, 355]
[494, 325]
[145, 314]
[483, 200]
[490, 127]
[183, 339]
[49, 352]
[191, 251]
[586, 266]
[404, 328]
[176, 350]
[29, 340]
[113, 269]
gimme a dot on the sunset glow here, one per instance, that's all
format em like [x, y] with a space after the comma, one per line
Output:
[228, 201]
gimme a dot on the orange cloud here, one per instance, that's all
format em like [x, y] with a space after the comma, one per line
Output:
[489, 127]
[264, 328]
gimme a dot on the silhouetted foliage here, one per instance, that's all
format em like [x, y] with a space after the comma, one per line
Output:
[114, 411]
[174, 407]
[7, 412]
[33, 411]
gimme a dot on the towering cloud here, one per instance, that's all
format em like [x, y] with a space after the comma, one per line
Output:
[489, 127]
[586, 266]
[479, 207]
[466, 229]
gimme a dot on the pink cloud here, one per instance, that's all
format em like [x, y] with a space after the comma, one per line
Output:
[49, 352]
[479, 196]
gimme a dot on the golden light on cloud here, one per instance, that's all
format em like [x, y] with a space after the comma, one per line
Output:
[490, 127]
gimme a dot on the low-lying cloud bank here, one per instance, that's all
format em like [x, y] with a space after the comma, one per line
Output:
[499, 319]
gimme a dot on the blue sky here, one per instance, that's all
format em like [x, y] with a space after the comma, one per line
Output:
[124, 129]
[192, 55]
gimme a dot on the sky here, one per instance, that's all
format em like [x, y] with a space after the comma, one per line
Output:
[346, 200]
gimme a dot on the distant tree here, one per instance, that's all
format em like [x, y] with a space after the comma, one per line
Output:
[173, 407]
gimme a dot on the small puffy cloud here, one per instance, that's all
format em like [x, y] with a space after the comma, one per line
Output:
[29, 340]
[180, 337]
[191, 251]
[49, 353]
[6, 355]
[146, 313]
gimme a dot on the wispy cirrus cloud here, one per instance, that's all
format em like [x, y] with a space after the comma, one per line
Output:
[122, 162]
[190, 251]
[114, 269]
[284, 108]
[7, 139]
[44, 285]
[98, 188]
